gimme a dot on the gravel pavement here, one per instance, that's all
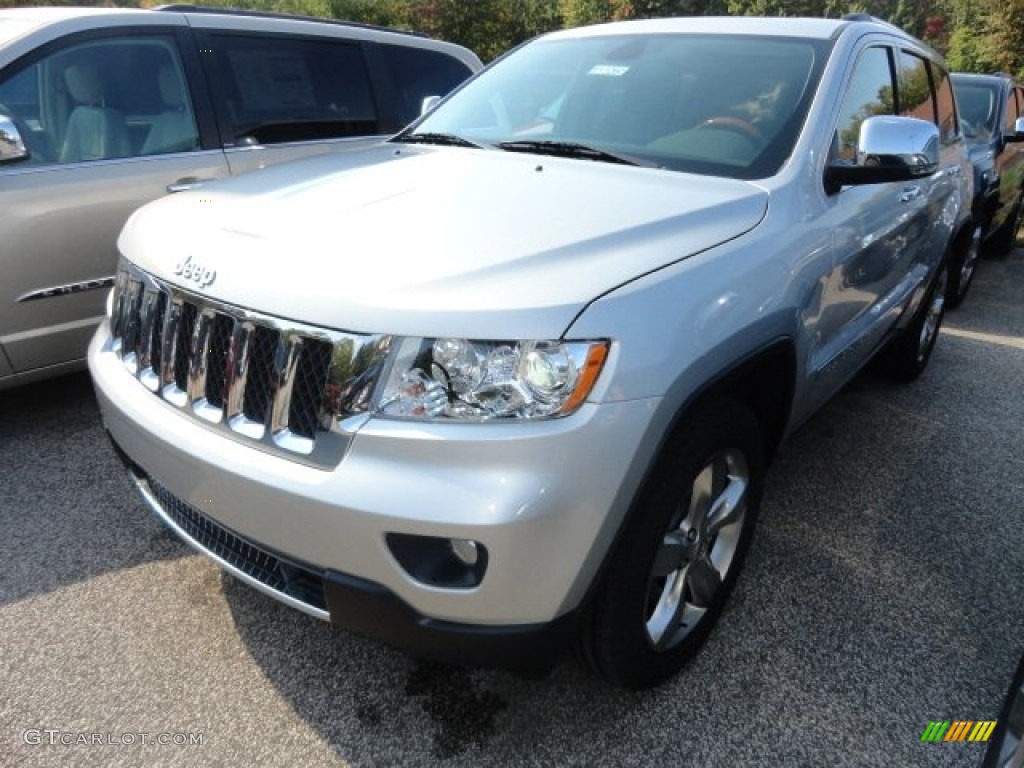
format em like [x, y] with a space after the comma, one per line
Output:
[884, 589]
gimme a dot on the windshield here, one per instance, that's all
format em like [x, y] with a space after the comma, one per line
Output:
[978, 114]
[712, 104]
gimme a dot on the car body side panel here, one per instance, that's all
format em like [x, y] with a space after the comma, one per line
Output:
[60, 226]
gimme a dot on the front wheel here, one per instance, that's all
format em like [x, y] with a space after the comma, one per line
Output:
[962, 270]
[907, 355]
[1004, 238]
[681, 551]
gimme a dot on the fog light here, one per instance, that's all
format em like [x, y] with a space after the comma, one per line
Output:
[440, 561]
[465, 550]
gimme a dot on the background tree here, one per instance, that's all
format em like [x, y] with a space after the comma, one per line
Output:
[976, 35]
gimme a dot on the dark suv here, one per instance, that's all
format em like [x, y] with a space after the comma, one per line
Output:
[991, 112]
[102, 110]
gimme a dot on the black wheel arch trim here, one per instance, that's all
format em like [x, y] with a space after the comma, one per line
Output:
[780, 349]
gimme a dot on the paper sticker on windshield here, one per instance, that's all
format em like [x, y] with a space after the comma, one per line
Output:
[608, 70]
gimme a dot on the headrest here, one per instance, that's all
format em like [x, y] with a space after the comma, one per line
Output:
[84, 84]
[170, 86]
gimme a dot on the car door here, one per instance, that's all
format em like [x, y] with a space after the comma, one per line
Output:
[110, 120]
[1009, 159]
[881, 233]
[282, 97]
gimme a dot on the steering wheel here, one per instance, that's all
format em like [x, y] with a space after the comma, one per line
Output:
[735, 124]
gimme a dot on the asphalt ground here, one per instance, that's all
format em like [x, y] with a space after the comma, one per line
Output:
[884, 590]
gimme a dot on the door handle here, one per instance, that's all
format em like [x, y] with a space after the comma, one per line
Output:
[189, 182]
[910, 193]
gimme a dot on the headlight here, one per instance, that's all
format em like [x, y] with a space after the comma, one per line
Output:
[481, 380]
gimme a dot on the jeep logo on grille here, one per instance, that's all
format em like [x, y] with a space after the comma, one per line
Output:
[195, 272]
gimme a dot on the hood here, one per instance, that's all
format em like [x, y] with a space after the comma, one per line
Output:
[435, 241]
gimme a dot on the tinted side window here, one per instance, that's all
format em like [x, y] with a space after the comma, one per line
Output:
[1012, 112]
[949, 126]
[916, 96]
[978, 109]
[107, 98]
[869, 93]
[289, 89]
[417, 73]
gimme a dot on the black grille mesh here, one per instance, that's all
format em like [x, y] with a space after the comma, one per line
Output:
[297, 581]
[186, 326]
[308, 390]
[217, 360]
[132, 327]
[259, 384]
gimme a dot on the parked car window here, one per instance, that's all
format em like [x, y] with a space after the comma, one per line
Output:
[1010, 115]
[870, 93]
[286, 89]
[978, 109]
[948, 124]
[916, 97]
[103, 99]
[417, 73]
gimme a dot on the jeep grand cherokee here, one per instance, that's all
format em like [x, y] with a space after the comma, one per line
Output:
[514, 377]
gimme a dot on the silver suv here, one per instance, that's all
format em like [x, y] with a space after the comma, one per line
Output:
[102, 110]
[514, 376]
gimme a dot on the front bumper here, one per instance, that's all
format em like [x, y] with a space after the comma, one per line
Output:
[544, 499]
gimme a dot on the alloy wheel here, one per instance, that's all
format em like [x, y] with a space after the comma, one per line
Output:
[697, 551]
[933, 316]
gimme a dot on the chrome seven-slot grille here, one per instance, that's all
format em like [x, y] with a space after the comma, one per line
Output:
[281, 386]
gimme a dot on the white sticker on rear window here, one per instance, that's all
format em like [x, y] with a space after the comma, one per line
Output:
[608, 70]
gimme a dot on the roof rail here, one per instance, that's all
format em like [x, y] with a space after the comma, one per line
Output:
[868, 17]
[187, 8]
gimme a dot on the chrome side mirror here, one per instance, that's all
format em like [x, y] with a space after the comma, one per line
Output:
[428, 103]
[1018, 131]
[12, 145]
[888, 149]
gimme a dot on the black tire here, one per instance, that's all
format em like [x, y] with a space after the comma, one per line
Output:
[1005, 238]
[633, 634]
[906, 356]
[963, 267]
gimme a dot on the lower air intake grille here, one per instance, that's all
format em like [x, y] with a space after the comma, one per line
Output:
[298, 582]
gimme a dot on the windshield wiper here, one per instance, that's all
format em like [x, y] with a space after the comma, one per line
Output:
[567, 149]
[441, 139]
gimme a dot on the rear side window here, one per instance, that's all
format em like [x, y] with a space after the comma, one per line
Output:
[417, 73]
[946, 104]
[916, 96]
[288, 89]
[1011, 113]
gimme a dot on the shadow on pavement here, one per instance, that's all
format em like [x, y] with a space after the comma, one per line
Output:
[68, 511]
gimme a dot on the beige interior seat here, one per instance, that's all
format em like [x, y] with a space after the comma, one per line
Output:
[94, 131]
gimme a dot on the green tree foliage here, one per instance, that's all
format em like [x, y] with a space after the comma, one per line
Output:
[1005, 23]
[976, 35]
